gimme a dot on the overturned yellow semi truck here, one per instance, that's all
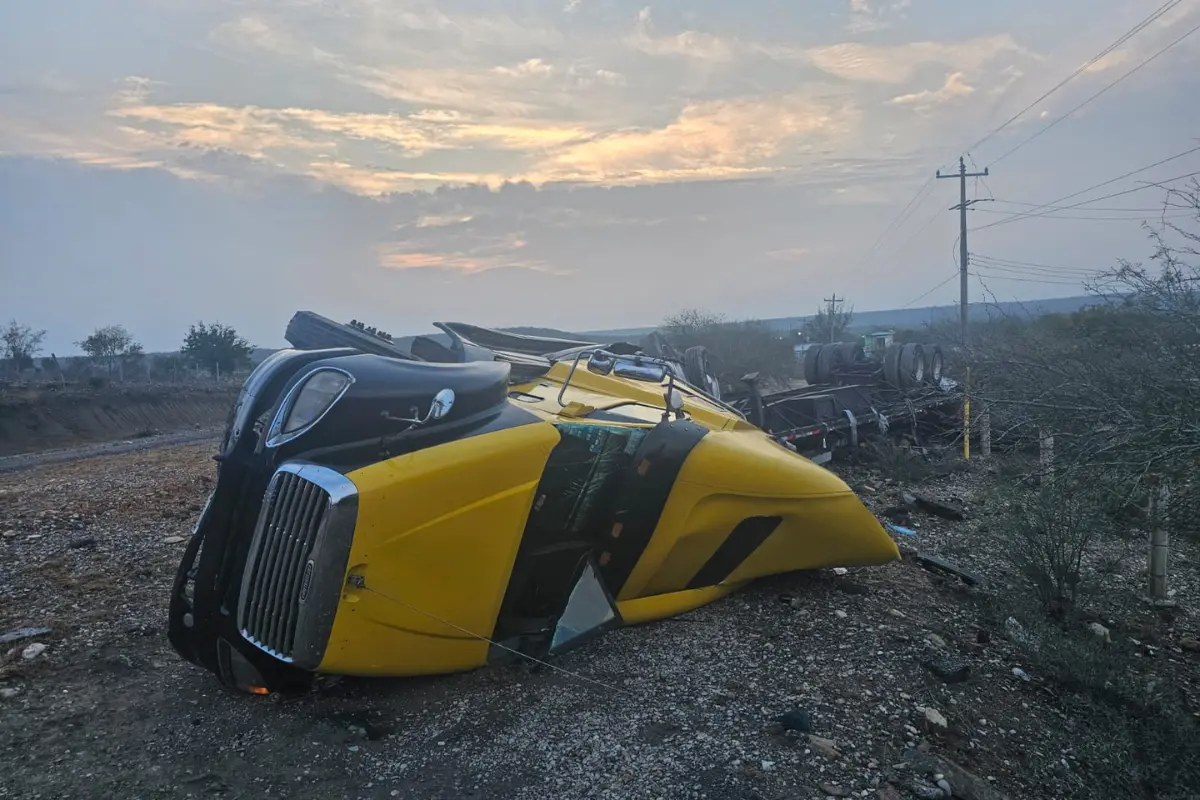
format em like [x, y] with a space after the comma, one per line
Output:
[383, 513]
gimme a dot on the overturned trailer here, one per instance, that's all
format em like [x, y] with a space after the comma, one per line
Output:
[395, 511]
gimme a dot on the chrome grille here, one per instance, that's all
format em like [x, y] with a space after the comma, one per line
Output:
[278, 566]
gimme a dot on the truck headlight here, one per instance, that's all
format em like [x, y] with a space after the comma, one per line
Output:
[308, 401]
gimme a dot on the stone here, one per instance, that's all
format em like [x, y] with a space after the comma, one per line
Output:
[825, 747]
[33, 651]
[173, 540]
[935, 717]
[1100, 631]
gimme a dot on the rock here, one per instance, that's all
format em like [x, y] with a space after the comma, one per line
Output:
[897, 613]
[33, 651]
[934, 717]
[9, 534]
[935, 640]
[982, 636]
[833, 790]
[1022, 674]
[173, 540]
[79, 544]
[850, 587]
[1100, 631]
[1191, 645]
[22, 633]
[840, 614]
[887, 793]
[9, 692]
[840, 571]
[825, 747]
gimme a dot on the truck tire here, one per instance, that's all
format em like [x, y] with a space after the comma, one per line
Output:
[891, 365]
[933, 365]
[850, 353]
[810, 364]
[826, 361]
[308, 330]
[912, 365]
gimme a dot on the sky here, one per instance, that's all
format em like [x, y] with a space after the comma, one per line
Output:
[578, 164]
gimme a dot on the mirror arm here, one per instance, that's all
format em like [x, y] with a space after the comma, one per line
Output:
[567, 382]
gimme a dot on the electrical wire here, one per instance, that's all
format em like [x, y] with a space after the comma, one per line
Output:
[1143, 63]
[1154, 15]
[923, 295]
[1032, 214]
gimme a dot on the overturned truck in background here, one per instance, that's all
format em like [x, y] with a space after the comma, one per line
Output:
[382, 511]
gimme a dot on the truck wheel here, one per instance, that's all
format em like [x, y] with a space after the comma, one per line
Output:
[912, 365]
[810, 364]
[891, 365]
[851, 353]
[933, 365]
[826, 361]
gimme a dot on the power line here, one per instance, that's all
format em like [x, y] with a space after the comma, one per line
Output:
[917, 199]
[1027, 280]
[922, 296]
[1154, 15]
[1038, 133]
[1032, 214]
[1008, 262]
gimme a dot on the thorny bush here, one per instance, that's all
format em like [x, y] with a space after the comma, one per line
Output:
[1118, 383]
[1050, 532]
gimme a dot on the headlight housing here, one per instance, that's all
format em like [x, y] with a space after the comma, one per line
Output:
[307, 402]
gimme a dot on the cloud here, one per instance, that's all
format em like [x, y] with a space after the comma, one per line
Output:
[687, 44]
[953, 88]
[867, 15]
[481, 254]
[895, 64]
[710, 139]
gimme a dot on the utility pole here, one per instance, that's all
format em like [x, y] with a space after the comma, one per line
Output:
[963, 266]
[832, 301]
[963, 253]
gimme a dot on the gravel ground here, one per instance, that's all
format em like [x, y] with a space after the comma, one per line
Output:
[684, 708]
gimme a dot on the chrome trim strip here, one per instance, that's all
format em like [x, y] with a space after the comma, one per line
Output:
[254, 384]
[274, 436]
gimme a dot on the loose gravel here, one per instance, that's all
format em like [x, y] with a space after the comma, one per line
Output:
[686, 708]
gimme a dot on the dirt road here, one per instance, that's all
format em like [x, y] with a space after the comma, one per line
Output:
[679, 709]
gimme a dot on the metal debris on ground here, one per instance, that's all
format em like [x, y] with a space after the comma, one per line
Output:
[22, 633]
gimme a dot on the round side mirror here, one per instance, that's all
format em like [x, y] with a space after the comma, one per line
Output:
[443, 401]
[674, 400]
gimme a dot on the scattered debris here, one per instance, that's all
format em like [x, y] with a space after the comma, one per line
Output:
[938, 508]
[22, 633]
[833, 790]
[1022, 674]
[901, 529]
[840, 614]
[935, 717]
[949, 668]
[173, 540]
[1191, 645]
[9, 692]
[79, 544]
[795, 720]
[939, 564]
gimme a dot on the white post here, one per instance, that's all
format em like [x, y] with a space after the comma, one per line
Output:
[1160, 500]
[985, 435]
[1046, 451]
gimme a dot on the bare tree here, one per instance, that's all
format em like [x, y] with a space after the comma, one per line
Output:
[21, 343]
[829, 324]
[737, 347]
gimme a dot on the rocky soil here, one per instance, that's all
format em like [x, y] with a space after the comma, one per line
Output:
[803, 686]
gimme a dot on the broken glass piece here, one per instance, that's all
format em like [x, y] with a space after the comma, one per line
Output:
[589, 610]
